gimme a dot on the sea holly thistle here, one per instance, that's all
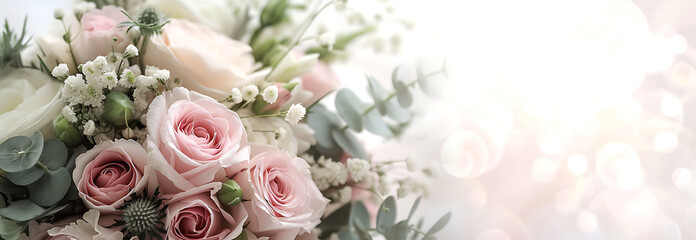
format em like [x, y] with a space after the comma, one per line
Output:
[148, 24]
[142, 216]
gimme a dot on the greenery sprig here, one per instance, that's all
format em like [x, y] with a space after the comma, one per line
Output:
[11, 46]
[149, 23]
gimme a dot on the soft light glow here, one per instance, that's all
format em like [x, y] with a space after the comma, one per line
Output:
[464, 154]
[577, 164]
[618, 165]
[493, 234]
[586, 221]
[681, 177]
[665, 141]
[671, 106]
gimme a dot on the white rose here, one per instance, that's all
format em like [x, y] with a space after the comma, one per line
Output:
[298, 138]
[219, 15]
[31, 100]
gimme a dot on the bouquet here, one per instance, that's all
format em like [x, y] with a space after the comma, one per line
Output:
[180, 120]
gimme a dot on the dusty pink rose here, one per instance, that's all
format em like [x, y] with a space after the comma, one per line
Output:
[193, 140]
[285, 202]
[320, 82]
[197, 214]
[99, 28]
[86, 228]
[110, 172]
[205, 61]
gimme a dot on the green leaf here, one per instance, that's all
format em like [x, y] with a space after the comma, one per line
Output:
[70, 165]
[378, 94]
[350, 108]
[413, 208]
[50, 188]
[22, 210]
[323, 122]
[10, 229]
[398, 231]
[396, 112]
[54, 154]
[373, 122]
[26, 177]
[439, 225]
[359, 214]
[20, 152]
[348, 235]
[9, 189]
[386, 216]
[399, 78]
[349, 143]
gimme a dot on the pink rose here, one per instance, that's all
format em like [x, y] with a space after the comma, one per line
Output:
[86, 228]
[205, 61]
[285, 202]
[197, 214]
[320, 82]
[99, 28]
[193, 140]
[110, 172]
[283, 97]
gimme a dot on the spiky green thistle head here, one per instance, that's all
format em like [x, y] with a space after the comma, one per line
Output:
[142, 216]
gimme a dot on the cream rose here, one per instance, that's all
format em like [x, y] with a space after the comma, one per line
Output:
[31, 100]
[205, 61]
[298, 138]
[219, 15]
[86, 228]
[285, 202]
[193, 140]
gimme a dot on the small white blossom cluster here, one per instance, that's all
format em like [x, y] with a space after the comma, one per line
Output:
[358, 168]
[86, 91]
[295, 113]
[326, 172]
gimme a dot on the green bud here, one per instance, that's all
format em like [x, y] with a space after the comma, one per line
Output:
[66, 132]
[230, 194]
[290, 86]
[273, 56]
[260, 50]
[118, 109]
[258, 105]
[274, 12]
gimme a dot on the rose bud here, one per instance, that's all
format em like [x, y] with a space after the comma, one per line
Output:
[231, 193]
[118, 109]
[66, 132]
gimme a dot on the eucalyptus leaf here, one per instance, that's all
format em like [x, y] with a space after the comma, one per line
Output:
[378, 94]
[386, 216]
[396, 112]
[10, 229]
[362, 231]
[360, 215]
[403, 94]
[54, 154]
[21, 210]
[50, 188]
[323, 122]
[349, 143]
[70, 165]
[398, 231]
[419, 225]
[350, 108]
[422, 80]
[52, 210]
[348, 235]
[413, 208]
[9, 189]
[26, 177]
[439, 225]
[20, 152]
[373, 122]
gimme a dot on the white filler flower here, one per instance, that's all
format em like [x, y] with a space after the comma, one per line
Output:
[358, 168]
[295, 114]
[270, 94]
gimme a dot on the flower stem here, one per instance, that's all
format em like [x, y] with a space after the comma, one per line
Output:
[69, 41]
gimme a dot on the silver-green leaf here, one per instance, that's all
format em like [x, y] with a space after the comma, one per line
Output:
[349, 143]
[26, 177]
[350, 108]
[386, 216]
[378, 94]
[50, 188]
[374, 123]
[21, 210]
[20, 152]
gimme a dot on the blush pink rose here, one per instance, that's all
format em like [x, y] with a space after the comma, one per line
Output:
[197, 214]
[110, 172]
[99, 28]
[320, 82]
[283, 97]
[285, 202]
[193, 140]
[205, 61]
